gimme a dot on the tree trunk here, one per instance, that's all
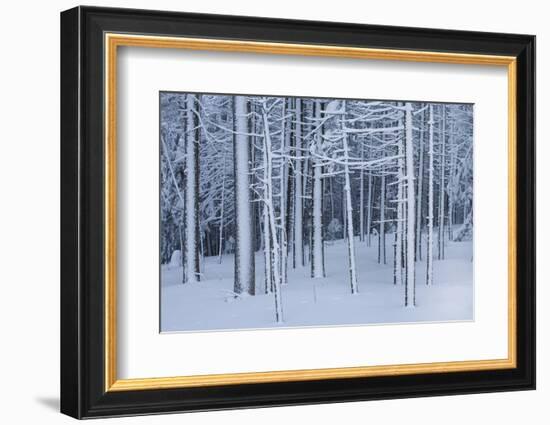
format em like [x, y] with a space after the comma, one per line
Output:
[419, 193]
[222, 210]
[369, 208]
[441, 219]
[318, 262]
[244, 248]
[382, 232]
[430, 225]
[267, 235]
[349, 211]
[400, 218]
[192, 239]
[285, 141]
[410, 283]
[269, 207]
[362, 198]
[450, 185]
[298, 198]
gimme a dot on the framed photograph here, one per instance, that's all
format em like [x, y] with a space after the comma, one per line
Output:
[261, 212]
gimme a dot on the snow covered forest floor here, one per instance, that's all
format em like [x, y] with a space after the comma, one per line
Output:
[212, 305]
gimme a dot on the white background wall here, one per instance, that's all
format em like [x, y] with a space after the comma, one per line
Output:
[29, 212]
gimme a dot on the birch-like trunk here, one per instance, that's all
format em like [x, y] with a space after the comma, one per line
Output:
[266, 231]
[318, 261]
[349, 210]
[268, 203]
[266, 228]
[450, 184]
[430, 218]
[244, 248]
[362, 198]
[441, 212]
[192, 239]
[369, 208]
[285, 141]
[298, 198]
[400, 218]
[382, 232]
[222, 210]
[410, 282]
[419, 193]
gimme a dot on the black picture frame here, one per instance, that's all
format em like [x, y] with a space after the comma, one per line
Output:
[83, 392]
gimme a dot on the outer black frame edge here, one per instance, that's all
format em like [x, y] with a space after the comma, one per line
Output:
[82, 173]
[70, 348]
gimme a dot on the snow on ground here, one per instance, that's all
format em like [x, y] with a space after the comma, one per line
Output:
[211, 305]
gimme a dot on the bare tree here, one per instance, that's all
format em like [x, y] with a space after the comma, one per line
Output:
[244, 249]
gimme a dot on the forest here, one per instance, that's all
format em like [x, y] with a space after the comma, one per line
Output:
[289, 211]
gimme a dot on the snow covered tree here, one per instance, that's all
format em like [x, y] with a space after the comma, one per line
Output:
[420, 187]
[244, 249]
[430, 218]
[298, 244]
[410, 282]
[382, 220]
[338, 153]
[441, 208]
[192, 238]
[318, 250]
[349, 208]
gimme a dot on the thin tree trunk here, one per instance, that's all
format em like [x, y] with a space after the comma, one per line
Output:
[285, 135]
[192, 192]
[450, 185]
[382, 231]
[395, 258]
[266, 227]
[180, 228]
[222, 210]
[317, 263]
[268, 202]
[298, 198]
[349, 208]
[441, 220]
[362, 198]
[410, 283]
[266, 233]
[419, 192]
[400, 218]
[307, 179]
[430, 225]
[369, 208]
[344, 214]
[290, 198]
[331, 189]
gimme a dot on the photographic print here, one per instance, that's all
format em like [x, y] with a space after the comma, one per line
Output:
[302, 211]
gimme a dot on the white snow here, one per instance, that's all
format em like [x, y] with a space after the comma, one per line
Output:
[175, 259]
[212, 304]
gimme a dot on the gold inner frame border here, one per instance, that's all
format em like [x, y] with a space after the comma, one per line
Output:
[111, 43]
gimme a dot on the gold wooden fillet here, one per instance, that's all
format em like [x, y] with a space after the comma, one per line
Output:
[110, 214]
[512, 212]
[113, 41]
